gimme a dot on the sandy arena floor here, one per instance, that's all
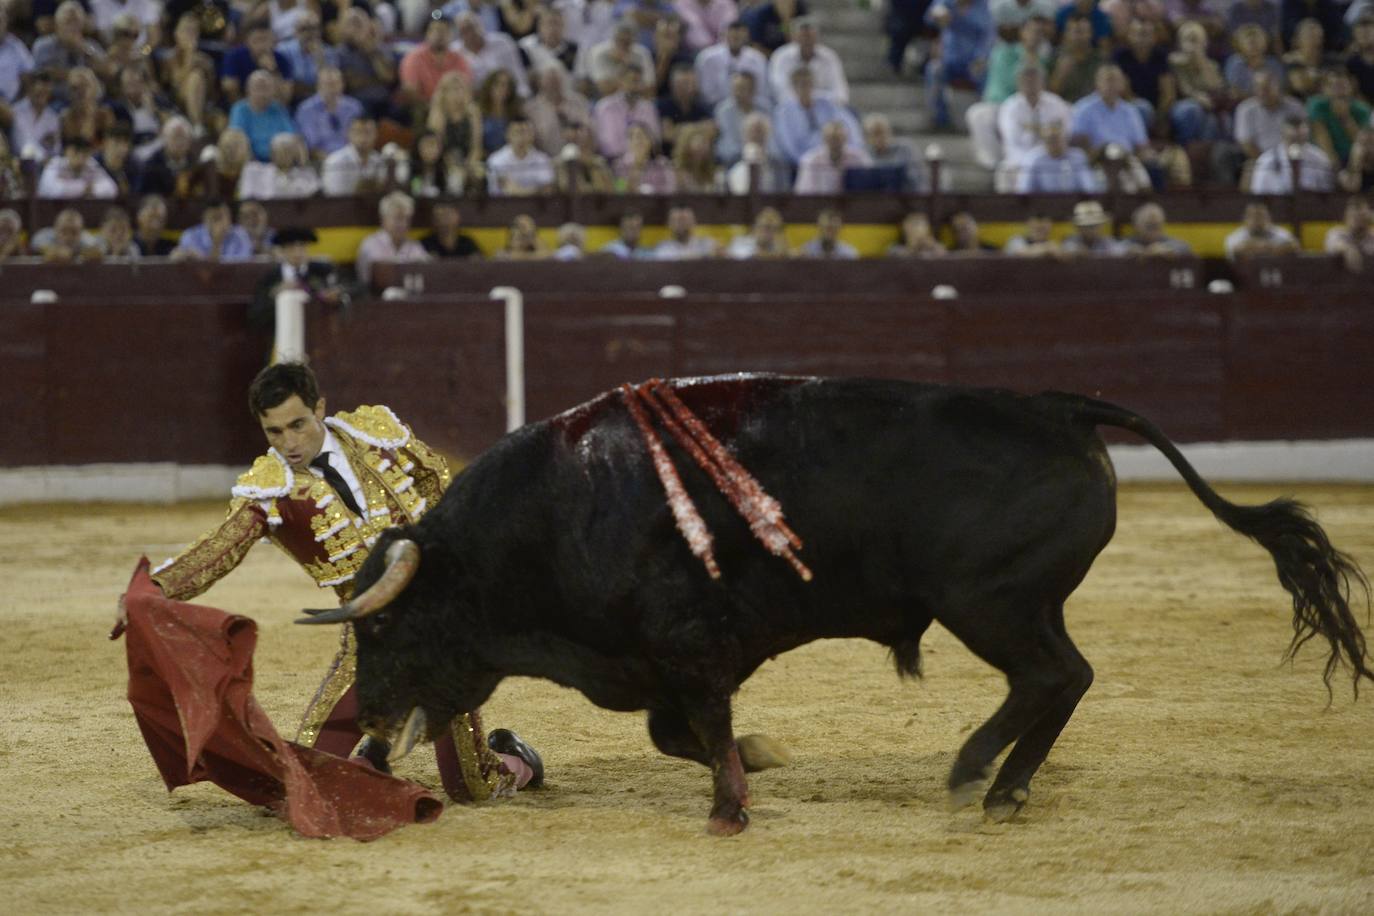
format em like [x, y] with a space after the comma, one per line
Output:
[1199, 774]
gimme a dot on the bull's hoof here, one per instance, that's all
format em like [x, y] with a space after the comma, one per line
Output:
[760, 752]
[727, 825]
[1000, 807]
[962, 796]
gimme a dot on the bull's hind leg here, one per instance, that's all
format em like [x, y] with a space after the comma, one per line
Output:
[709, 719]
[1041, 668]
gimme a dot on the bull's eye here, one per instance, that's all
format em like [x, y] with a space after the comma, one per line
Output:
[377, 623]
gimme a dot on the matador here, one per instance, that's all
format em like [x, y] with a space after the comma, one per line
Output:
[326, 488]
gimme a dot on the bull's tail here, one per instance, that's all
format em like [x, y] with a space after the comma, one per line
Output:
[1322, 580]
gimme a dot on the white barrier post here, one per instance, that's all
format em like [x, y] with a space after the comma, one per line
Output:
[289, 345]
[515, 354]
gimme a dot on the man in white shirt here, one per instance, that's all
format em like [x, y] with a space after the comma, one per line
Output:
[487, 52]
[717, 65]
[15, 61]
[356, 168]
[548, 46]
[75, 174]
[683, 244]
[1273, 173]
[1258, 236]
[36, 127]
[821, 170]
[518, 168]
[392, 242]
[1021, 122]
[806, 50]
[605, 61]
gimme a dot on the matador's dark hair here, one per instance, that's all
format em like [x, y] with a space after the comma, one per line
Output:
[278, 382]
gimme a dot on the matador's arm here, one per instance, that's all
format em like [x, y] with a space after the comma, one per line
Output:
[214, 555]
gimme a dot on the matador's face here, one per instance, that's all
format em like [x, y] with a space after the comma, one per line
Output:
[294, 430]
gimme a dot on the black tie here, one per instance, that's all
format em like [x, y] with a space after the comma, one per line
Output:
[335, 480]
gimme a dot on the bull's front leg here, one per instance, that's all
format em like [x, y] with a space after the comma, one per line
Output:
[710, 720]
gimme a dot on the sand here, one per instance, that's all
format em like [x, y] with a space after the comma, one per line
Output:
[1200, 774]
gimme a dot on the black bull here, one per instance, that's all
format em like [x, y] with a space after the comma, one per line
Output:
[555, 555]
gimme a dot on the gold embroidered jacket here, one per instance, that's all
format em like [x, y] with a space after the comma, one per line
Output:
[400, 476]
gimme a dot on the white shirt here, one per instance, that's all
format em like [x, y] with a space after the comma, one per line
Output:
[379, 247]
[533, 172]
[716, 66]
[103, 13]
[698, 246]
[264, 181]
[825, 65]
[1242, 235]
[15, 61]
[1273, 173]
[498, 53]
[344, 168]
[59, 181]
[333, 453]
[1019, 123]
[43, 129]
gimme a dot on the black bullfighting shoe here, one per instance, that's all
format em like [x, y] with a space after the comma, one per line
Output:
[374, 752]
[505, 741]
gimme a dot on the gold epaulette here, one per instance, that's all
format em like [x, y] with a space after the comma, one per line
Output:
[269, 477]
[374, 424]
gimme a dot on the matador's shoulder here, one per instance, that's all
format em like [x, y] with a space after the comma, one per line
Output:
[374, 424]
[269, 477]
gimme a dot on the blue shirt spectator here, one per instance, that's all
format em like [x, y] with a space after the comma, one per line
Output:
[304, 63]
[241, 60]
[967, 35]
[1101, 22]
[261, 117]
[798, 120]
[769, 22]
[199, 242]
[323, 118]
[1065, 171]
[15, 61]
[1105, 117]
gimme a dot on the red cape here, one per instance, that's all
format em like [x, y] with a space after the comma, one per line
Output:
[191, 687]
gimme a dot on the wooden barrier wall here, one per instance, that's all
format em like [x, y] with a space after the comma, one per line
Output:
[122, 379]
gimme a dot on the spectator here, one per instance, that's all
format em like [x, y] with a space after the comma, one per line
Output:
[489, 52]
[324, 118]
[171, 168]
[457, 119]
[1091, 235]
[75, 174]
[806, 50]
[827, 243]
[283, 15]
[1055, 167]
[1259, 120]
[613, 115]
[11, 235]
[288, 176]
[429, 177]
[293, 268]
[392, 242]
[12, 179]
[765, 240]
[66, 241]
[223, 164]
[1353, 240]
[1150, 239]
[67, 47]
[964, 235]
[1074, 66]
[1122, 13]
[139, 109]
[682, 107]
[1337, 116]
[1012, 14]
[15, 61]
[123, 50]
[1358, 174]
[517, 18]
[1250, 57]
[549, 46]
[1035, 241]
[571, 242]
[1105, 118]
[587, 170]
[1307, 60]
[1261, 13]
[253, 220]
[606, 62]
[642, 169]
[762, 166]
[555, 109]
[187, 72]
[1360, 62]
[966, 36]
[683, 243]
[1200, 88]
[730, 114]
[771, 22]
[1098, 20]
[1273, 172]
[1210, 14]
[719, 65]
[886, 152]
[918, 241]
[113, 159]
[444, 239]
[705, 22]
[822, 169]
[1150, 85]
[84, 116]
[906, 22]
[500, 105]
[523, 242]
[694, 163]
[669, 53]
[1021, 121]
[150, 238]
[36, 132]
[368, 66]
[307, 54]
[797, 120]
[260, 116]
[117, 236]
[356, 168]
[257, 53]
[215, 238]
[626, 244]
[1325, 13]
[518, 168]
[431, 59]
[1005, 63]
[1258, 236]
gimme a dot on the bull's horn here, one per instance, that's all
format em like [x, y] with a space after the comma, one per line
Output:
[402, 562]
[416, 725]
